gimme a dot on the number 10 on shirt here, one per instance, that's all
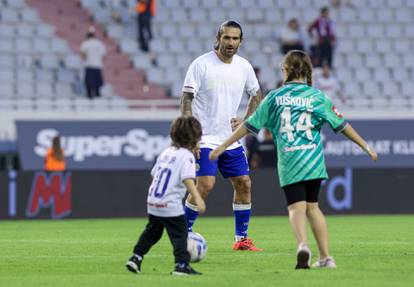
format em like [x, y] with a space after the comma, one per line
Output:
[162, 176]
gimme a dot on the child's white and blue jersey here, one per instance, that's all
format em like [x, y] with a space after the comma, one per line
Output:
[218, 88]
[167, 189]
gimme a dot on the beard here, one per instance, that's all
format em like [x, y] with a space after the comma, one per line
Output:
[227, 52]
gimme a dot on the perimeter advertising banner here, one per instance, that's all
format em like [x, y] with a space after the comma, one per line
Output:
[103, 194]
[94, 145]
[134, 145]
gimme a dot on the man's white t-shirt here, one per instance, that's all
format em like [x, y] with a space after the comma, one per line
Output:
[218, 89]
[94, 50]
[167, 190]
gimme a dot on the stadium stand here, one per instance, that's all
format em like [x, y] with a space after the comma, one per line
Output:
[40, 63]
[372, 59]
[39, 51]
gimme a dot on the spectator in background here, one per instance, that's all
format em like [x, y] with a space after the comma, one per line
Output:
[145, 10]
[322, 32]
[291, 37]
[93, 51]
[54, 160]
[261, 153]
[328, 83]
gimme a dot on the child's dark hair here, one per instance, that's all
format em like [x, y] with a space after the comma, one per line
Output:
[185, 132]
[298, 65]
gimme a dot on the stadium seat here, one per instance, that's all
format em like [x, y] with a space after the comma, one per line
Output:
[371, 89]
[384, 15]
[45, 31]
[6, 30]
[166, 60]
[64, 104]
[63, 90]
[155, 75]
[366, 16]
[373, 60]
[184, 60]
[142, 62]
[393, 31]
[49, 61]
[24, 31]
[354, 61]
[347, 15]
[24, 76]
[392, 61]
[402, 46]
[44, 104]
[9, 16]
[7, 104]
[187, 31]
[40, 45]
[346, 47]
[356, 31]
[407, 89]
[15, 3]
[395, 3]
[6, 90]
[364, 46]
[45, 89]
[6, 61]
[383, 46]
[29, 16]
[179, 16]
[190, 3]
[25, 90]
[217, 15]
[362, 75]
[400, 74]
[198, 16]
[6, 75]
[403, 16]
[408, 61]
[381, 75]
[352, 89]
[7, 47]
[391, 89]
[59, 46]
[375, 31]
[23, 46]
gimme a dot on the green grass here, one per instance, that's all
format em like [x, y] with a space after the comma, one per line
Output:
[369, 251]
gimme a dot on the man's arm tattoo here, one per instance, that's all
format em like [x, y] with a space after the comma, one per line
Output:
[253, 104]
[186, 101]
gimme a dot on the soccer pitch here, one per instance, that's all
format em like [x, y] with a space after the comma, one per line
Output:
[369, 251]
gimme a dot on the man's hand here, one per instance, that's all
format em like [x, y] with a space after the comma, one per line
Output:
[196, 151]
[216, 153]
[235, 123]
[201, 206]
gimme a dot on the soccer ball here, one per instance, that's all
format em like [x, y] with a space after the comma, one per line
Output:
[196, 246]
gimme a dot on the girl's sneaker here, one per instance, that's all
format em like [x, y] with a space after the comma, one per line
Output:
[328, 262]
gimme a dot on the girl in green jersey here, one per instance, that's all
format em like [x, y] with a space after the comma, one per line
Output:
[295, 114]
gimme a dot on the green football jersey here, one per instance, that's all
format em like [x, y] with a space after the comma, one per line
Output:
[294, 114]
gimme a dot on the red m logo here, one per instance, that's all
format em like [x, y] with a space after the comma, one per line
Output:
[51, 190]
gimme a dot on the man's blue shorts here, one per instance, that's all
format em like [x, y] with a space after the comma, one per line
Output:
[231, 163]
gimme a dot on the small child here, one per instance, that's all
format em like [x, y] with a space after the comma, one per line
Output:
[173, 174]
